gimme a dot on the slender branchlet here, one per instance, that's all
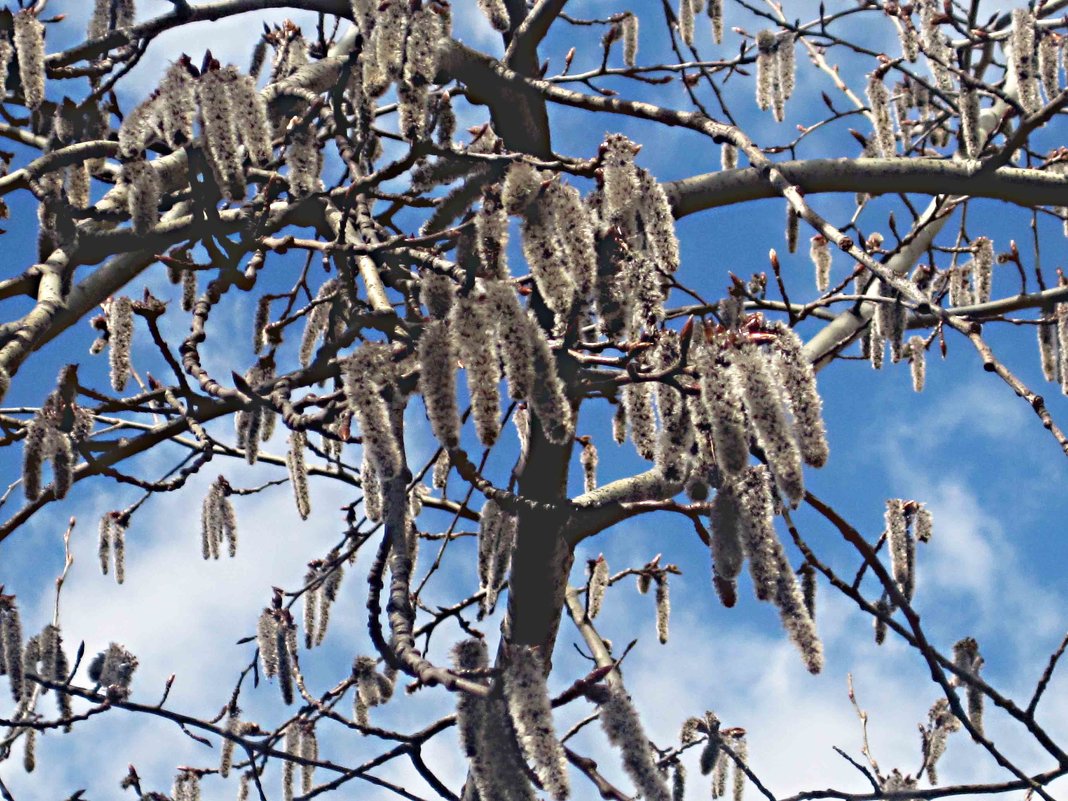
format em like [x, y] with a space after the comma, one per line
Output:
[298, 472]
[799, 384]
[30, 46]
[367, 373]
[663, 607]
[471, 329]
[967, 659]
[623, 727]
[879, 98]
[629, 25]
[1022, 57]
[531, 713]
[761, 392]
[917, 352]
[820, 253]
[120, 329]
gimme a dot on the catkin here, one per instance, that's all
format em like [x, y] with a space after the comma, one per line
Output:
[1049, 64]
[531, 714]
[588, 460]
[1047, 348]
[630, 39]
[143, 192]
[471, 328]
[983, 269]
[366, 373]
[1061, 313]
[619, 175]
[762, 394]
[663, 607]
[120, 329]
[799, 384]
[820, 253]
[11, 640]
[767, 69]
[967, 659]
[1022, 56]
[598, 584]
[298, 472]
[686, 20]
[622, 725]
[437, 382]
[267, 641]
[917, 361]
[900, 546]
[879, 98]
[29, 37]
[303, 160]
[715, 14]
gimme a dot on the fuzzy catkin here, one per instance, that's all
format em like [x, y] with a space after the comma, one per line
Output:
[29, 37]
[879, 98]
[588, 459]
[820, 253]
[917, 361]
[368, 372]
[1049, 64]
[663, 608]
[767, 69]
[762, 394]
[629, 25]
[437, 381]
[470, 327]
[514, 338]
[1047, 348]
[900, 547]
[120, 328]
[548, 396]
[799, 384]
[142, 195]
[686, 21]
[622, 725]
[1022, 56]
[531, 714]
[298, 472]
[1061, 314]
[598, 584]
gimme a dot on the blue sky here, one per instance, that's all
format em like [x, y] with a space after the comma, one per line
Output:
[974, 453]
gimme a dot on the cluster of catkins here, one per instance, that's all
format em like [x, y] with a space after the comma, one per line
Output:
[301, 742]
[321, 583]
[111, 546]
[776, 71]
[906, 523]
[941, 722]
[400, 43]
[1053, 345]
[114, 669]
[276, 636]
[486, 726]
[255, 424]
[721, 748]
[967, 660]
[218, 521]
[689, 9]
[233, 121]
[373, 688]
[56, 428]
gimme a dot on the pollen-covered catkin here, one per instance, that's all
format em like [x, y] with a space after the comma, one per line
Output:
[623, 727]
[663, 607]
[30, 46]
[496, 538]
[1022, 55]
[791, 228]
[620, 176]
[899, 545]
[513, 330]
[820, 253]
[118, 547]
[756, 529]
[917, 361]
[267, 641]
[470, 327]
[762, 394]
[983, 268]
[298, 472]
[11, 640]
[686, 21]
[969, 121]
[1061, 313]
[548, 396]
[799, 383]
[767, 69]
[437, 381]
[879, 98]
[143, 192]
[598, 570]
[531, 713]
[630, 39]
[120, 329]
[787, 65]
[1049, 63]
[715, 14]
[366, 373]
[967, 659]
[289, 768]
